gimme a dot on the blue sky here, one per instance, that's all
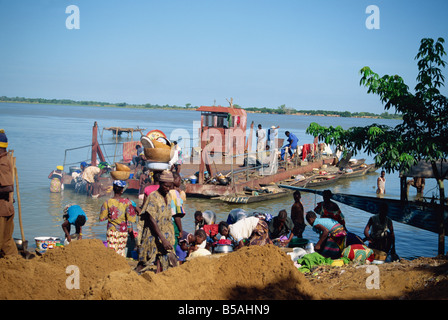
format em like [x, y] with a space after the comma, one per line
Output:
[304, 54]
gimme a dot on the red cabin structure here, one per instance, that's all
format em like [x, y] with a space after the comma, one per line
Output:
[223, 134]
[223, 129]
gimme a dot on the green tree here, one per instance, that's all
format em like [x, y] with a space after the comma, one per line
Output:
[423, 133]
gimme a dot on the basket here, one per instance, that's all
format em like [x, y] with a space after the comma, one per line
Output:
[160, 145]
[120, 175]
[146, 142]
[121, 167]
[158, 154]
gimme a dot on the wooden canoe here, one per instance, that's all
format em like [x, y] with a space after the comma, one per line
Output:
[357, 172]
[249, 198]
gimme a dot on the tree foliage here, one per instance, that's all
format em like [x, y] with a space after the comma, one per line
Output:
[423, 133]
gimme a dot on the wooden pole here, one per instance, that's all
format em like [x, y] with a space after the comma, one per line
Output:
[19, 205]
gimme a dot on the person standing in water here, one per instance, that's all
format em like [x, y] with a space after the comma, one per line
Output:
[297, 215]
[381, 183]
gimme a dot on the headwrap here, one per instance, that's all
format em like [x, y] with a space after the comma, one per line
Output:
[120, 183]
[60, 168]
[83, 164]
[68, 206]
[103, 165]
[3, 139]
[166, 176]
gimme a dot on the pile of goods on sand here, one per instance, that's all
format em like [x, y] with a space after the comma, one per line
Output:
[255, 272]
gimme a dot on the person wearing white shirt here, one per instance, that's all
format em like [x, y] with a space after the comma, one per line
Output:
[261, 142]
[247, 231]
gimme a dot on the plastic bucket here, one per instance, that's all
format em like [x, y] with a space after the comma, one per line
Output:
[44, 243]
[193, 181]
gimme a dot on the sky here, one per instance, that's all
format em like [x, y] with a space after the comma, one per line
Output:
[262, 53]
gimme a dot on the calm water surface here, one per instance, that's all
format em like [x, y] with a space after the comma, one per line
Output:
[39, 134]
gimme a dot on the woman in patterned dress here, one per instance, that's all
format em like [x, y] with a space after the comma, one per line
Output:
[120, 213]
[56, 180]
[332, 235]
[157, 242]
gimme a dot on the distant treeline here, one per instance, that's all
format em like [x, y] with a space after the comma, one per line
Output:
[90, 103]
[284, 110]
[279, 110]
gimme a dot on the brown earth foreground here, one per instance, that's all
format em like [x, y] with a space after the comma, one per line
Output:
[253, 273]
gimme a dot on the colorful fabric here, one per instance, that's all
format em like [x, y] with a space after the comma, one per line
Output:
[3, 139]
[211, 229]
[129, 150]
[166, 176]
[117, 240]
[118, 213]
[260, 236]
[330, 210]
[151, 188]
[305, 150]
[176, 204]
[120, 183]
[55, 185]
[151, 246]
[358, 253]
[310, 260]
[335, 242]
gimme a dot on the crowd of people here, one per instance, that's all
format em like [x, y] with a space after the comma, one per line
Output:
[161, 241]
[155, 223]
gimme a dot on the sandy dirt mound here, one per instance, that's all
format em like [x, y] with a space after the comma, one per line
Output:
[422, 278]
[45, 277]
[250, 273]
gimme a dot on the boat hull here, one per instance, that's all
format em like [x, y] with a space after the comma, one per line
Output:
[418, 214]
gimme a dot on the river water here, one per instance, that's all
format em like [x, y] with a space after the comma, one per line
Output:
[39, 135]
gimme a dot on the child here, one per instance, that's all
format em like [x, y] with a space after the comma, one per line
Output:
[182, 248]
[73, 215]
[199, 246]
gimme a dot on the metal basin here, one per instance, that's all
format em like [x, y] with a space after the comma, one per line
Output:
[223, 248]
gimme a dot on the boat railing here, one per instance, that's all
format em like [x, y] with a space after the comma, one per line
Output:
[263, 163]
[105, 147]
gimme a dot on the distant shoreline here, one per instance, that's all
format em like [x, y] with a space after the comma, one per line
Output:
[282, 110]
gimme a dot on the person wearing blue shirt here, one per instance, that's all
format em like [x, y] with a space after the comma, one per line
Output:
[292, 144]
[73, 215]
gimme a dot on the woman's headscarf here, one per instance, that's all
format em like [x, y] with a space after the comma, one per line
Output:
[166, 176]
